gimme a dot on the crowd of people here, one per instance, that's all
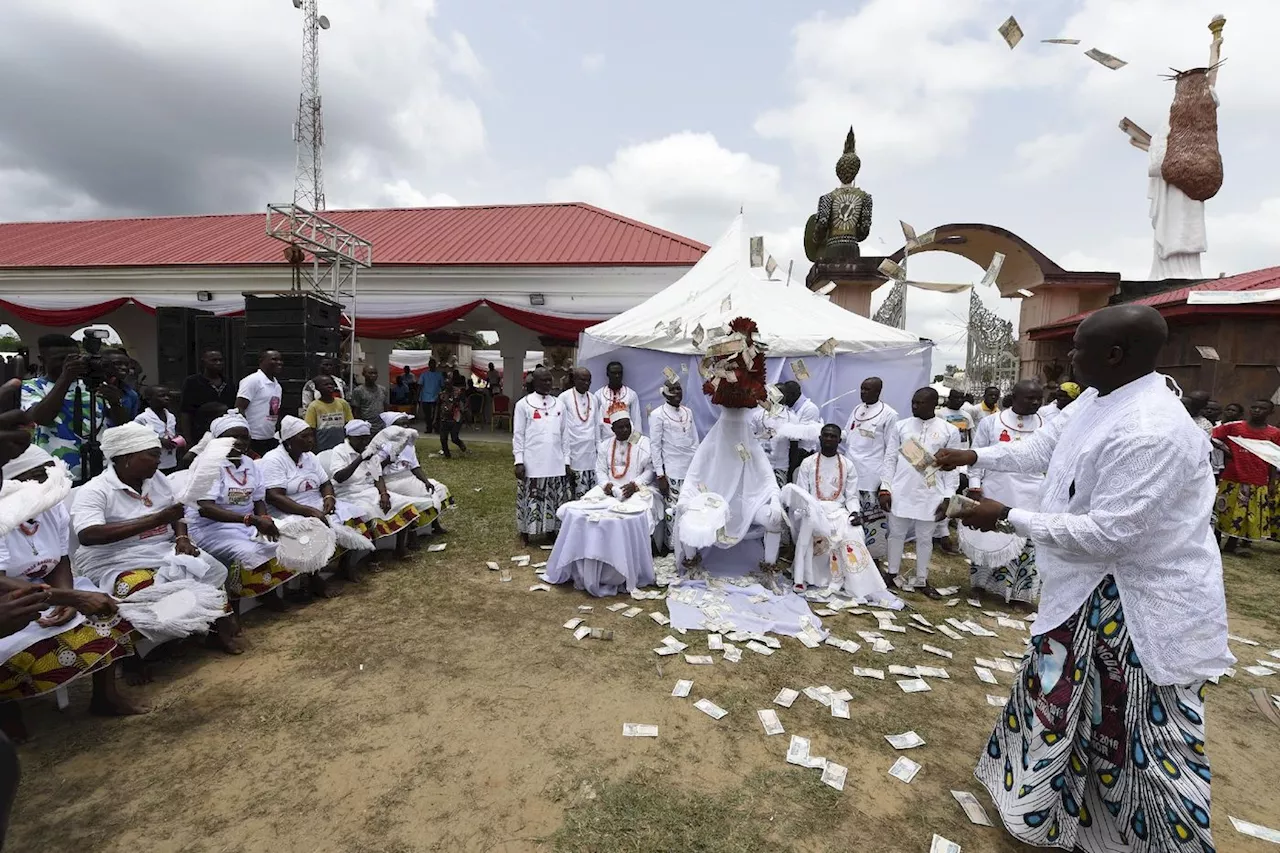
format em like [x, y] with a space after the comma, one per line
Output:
[1093, 501]
[197, 494]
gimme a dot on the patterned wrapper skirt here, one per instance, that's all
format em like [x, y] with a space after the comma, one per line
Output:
[1016, 580]
[1089, 754]
[662, 535]
[1244, 511]
[583, 482]
[53, 662]
[537, 499]
[875, 525]
[250, 583]
[133, 580]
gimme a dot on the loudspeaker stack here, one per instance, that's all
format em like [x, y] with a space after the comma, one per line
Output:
[303, 328]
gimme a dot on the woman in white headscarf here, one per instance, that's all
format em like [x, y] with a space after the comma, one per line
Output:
[357, 473]
[297, 484]
[132, 530]
[80, 634]
[225, 520]
[404, 475]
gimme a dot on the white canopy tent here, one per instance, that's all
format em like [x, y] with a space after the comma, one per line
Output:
[793, 321]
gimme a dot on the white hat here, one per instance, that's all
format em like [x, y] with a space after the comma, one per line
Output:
[32, 458]
[128, 438]
[291, 426]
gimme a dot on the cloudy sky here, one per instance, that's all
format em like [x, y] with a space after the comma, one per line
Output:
[676, 113]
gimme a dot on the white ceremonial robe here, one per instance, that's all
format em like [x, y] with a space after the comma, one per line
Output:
[607, 397]
[831, 550]
[867, 438]
[581, 414]
[1014, 489]
[1049, 411]
[301, 482]
[361, 487]
[398, 476]
[674, 438]
[537, 438]
[807, 414]
[619, 463]
[913, 497]
[238, 488]
[1127, 493]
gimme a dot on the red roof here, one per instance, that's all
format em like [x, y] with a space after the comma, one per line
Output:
[1173, 303]
[572, 234]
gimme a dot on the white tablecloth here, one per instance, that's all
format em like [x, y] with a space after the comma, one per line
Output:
[601, 551]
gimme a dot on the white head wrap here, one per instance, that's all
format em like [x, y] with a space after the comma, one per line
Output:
[128, 438]
[291, 426]
[393, 418]
[32, 458]
[229, 421]
[358, 428]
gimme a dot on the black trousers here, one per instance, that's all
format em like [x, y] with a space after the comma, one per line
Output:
[449, 432]
[429, 411]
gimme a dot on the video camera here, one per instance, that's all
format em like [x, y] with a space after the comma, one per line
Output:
[98, 368]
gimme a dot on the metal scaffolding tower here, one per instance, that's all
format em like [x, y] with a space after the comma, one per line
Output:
[308, 129]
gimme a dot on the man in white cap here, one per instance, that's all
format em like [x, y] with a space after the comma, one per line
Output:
[581, 413]
[542, 461]
[674, 438]
[624, 461]
[131, 529]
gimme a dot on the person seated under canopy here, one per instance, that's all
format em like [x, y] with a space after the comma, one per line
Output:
[823, 511]
[730, 494]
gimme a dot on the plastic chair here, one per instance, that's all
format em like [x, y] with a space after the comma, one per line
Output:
[502, 411]
[474, 413]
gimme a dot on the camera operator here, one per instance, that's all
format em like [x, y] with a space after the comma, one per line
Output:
[62, 406]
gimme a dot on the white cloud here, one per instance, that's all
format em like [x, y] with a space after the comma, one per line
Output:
[592, 62]
[1049, 154]
[403, 194]
[687, 182]
[909, 82]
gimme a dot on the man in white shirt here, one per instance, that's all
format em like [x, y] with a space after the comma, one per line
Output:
[624, 461]
[581, 420]
[674, 438]
[258, 400]
[542, 461]
[328, 367]
[867, 440]
[1108, 711]
[912, 497]
[804, 412]
[955, 412]
[823, 511]
[1004, 564]
[611, 395]
[987, 406]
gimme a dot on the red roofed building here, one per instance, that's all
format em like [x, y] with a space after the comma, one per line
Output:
[1237, 316]
[534, 273]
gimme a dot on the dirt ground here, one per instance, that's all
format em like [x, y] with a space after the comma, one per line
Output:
[434, 708]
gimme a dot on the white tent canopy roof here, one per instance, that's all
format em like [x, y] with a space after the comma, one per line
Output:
[793, 321]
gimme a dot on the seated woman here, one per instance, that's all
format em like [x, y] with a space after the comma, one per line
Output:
[131, 528]
[358, 478]
[296, 484]
[80, 634]
[209, 412]
[224, 521]
[404, 475]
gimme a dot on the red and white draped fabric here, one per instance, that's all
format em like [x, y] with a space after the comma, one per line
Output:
[382, 317]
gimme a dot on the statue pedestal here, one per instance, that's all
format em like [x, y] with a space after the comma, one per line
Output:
[855, 282]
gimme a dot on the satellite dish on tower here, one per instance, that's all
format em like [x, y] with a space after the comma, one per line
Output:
[323, 22]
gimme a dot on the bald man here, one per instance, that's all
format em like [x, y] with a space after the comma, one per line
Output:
[1004, 564]
[1102, 744]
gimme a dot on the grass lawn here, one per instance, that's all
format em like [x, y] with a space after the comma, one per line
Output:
[434, 708]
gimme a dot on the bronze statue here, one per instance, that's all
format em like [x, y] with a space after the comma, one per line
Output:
[843, 219]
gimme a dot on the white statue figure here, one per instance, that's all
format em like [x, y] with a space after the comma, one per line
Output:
[1176, 217]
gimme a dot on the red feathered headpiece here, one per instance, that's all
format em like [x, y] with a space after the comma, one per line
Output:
[734, 367]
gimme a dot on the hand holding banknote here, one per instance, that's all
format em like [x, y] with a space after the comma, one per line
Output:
[949, 460]
[985, 514]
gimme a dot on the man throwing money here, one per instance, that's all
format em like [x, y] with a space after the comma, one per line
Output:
[1102, 744]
